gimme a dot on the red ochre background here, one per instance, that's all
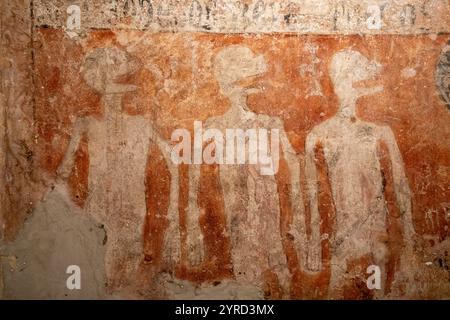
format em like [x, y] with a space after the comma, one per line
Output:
[187, 91]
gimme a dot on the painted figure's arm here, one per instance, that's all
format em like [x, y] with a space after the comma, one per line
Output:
[401, 185]
[194, 235]
[195, 245]
[172, 239]
[67, 163]
[298, 229]
[314, 246]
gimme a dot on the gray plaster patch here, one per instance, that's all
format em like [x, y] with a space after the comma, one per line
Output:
[56, 236]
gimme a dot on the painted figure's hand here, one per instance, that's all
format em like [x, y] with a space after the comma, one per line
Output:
[47, 179]
[195, 248]
[432, 223]
[172, 254]
[314, 259]
[63, 172]
[195, 244]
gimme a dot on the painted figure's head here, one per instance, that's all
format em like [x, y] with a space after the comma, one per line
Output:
[105, 68]
[233, 65]
[348, 68]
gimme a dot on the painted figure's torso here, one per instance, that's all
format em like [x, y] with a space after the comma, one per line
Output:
[117, 166]
[351, 153]
[251, 207]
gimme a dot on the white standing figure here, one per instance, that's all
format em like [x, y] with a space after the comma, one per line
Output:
[252, 205]
[118, 147]
[350, 148]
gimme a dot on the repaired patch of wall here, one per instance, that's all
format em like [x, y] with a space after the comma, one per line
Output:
[357, 90]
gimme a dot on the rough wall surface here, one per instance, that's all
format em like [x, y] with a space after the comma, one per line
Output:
[16, 128]
[17, 115]
[357, 91]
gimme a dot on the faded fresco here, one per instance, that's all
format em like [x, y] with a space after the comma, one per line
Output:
[349, 174]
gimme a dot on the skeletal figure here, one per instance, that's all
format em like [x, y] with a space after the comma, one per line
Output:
[118, 154]
[350, 149]
[251, 199]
